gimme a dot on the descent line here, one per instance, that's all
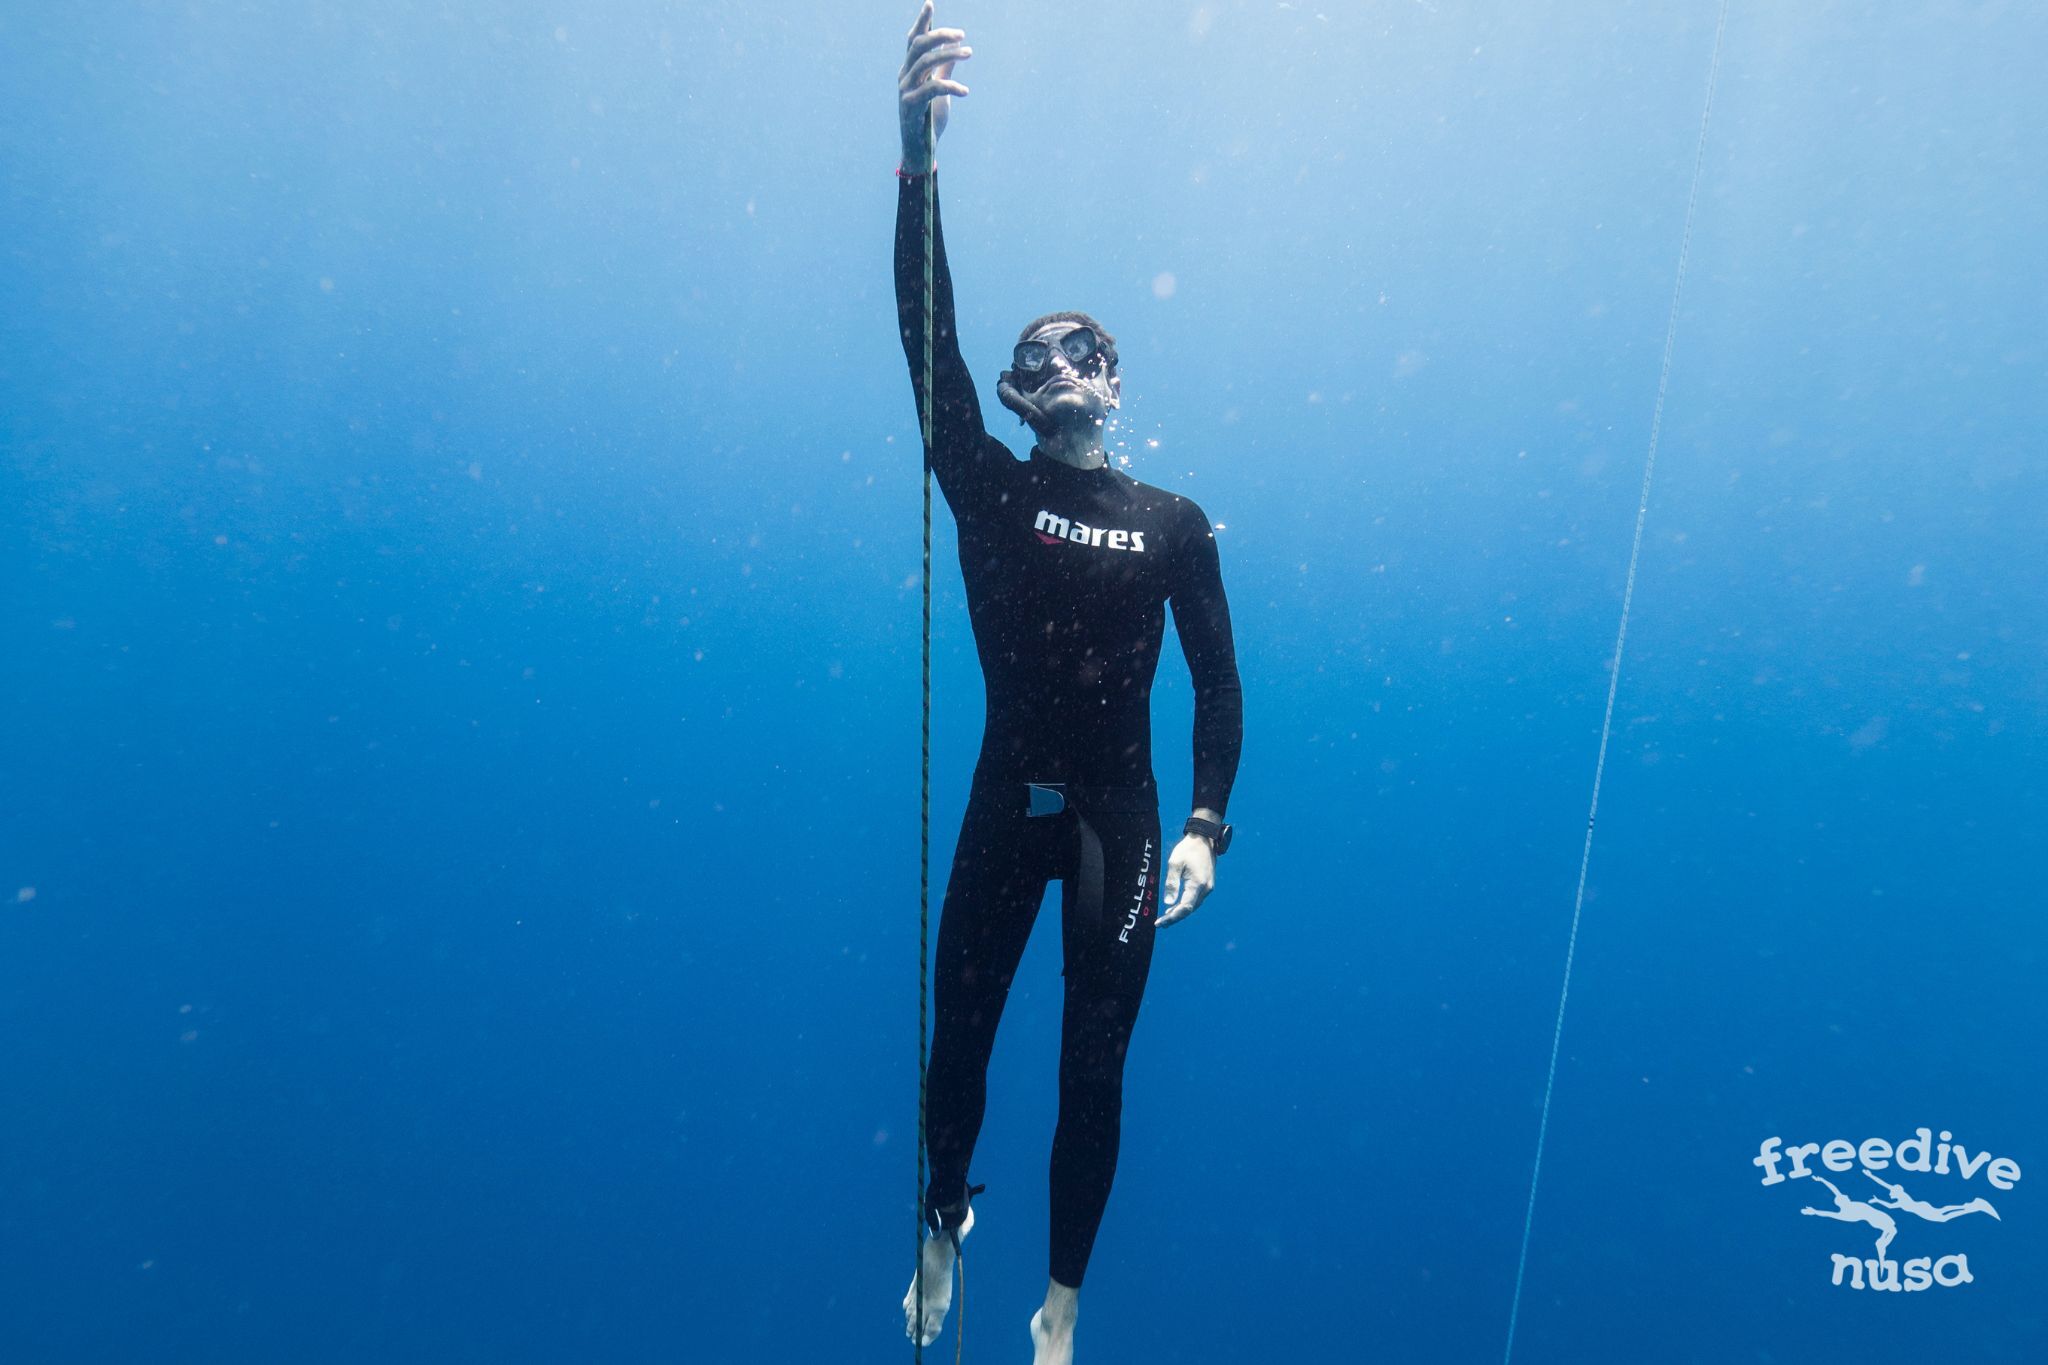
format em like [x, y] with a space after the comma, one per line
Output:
[1614, 680]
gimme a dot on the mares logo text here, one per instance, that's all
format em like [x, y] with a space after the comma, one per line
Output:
[1053, 529]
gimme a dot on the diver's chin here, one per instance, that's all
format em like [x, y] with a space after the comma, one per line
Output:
[1069, 402]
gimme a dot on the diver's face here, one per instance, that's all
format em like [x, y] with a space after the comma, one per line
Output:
[1073, 393]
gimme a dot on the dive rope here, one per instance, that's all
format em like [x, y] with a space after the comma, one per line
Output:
[924, 787]
[1614, 675]
[924, 791]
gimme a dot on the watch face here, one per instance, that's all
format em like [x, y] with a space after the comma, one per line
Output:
[1223, 839]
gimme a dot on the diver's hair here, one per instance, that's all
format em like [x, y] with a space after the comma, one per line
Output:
[1069, 315]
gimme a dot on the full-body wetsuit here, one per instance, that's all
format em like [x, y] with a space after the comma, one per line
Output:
[1068, 574]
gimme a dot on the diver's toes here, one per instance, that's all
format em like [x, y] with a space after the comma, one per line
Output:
[934, 1318]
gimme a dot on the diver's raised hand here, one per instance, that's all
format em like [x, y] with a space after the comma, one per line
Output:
[1190, 877]
[926, 82]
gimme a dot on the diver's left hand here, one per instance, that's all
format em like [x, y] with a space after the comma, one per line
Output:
[1190, 877]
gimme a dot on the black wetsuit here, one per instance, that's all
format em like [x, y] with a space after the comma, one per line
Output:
[1068, 574]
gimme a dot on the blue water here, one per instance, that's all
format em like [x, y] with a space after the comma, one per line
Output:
[459, 545]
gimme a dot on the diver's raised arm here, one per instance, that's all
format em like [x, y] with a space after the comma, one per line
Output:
[962, 452]
[925, 82]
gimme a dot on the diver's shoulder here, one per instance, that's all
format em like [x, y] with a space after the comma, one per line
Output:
[1176, 508]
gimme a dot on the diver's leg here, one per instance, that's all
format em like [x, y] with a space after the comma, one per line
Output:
[998, 878]
[1108, 956]
[992, 897]
[1052, 1326]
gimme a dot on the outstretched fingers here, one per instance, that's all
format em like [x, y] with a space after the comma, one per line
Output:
[922, 42]
[925, 92]
[925, 87]
[936, 62]
[928, 75]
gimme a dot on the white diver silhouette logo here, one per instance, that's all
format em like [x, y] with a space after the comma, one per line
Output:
[1917, 1154]
[1883, 1273]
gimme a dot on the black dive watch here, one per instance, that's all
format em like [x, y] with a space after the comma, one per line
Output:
[1217, 835]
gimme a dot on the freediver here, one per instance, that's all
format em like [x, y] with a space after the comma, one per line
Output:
[1069, 566]
[1847, 1210]
[1907, 1203]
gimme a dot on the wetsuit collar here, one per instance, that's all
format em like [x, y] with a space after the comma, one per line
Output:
[1041, 460]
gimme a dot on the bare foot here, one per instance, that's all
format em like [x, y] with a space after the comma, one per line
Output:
[1052, 1326]
[938, 1286]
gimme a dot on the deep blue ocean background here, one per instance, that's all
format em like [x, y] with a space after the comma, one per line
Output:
[459, 537]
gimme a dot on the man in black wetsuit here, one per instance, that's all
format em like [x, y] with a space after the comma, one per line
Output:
[1069, 567]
